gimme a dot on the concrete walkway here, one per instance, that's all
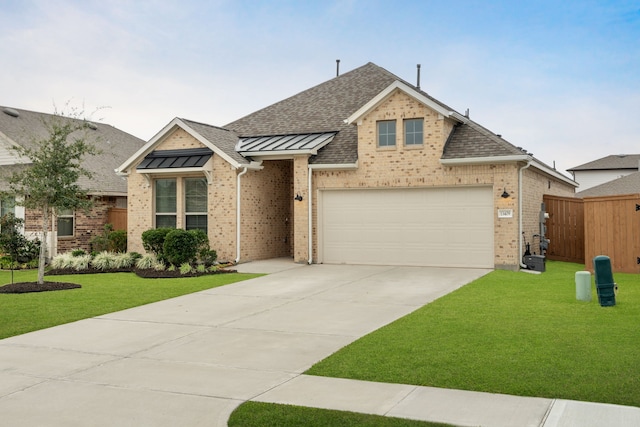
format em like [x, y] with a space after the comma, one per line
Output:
[193, 359]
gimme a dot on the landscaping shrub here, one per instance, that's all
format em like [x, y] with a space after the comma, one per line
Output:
[109, 240]
[153, 241]
[104, 261]
[206, 255]
[185, 268]
[81, 262]
[62, 261]
[147, 261]
[124, 260]
[180, 246]
[78, 252]
[14, 244]
[118, 241]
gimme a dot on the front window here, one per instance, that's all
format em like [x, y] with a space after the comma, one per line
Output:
[166, 203]
[195, 201]
[413, 132]
[65, 223]
[387, 133]
[7, 205]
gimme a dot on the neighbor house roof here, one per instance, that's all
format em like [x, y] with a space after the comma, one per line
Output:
[612, 162]
[23, 127]
[629, 184]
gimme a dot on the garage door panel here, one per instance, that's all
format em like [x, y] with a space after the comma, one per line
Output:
[436, 226]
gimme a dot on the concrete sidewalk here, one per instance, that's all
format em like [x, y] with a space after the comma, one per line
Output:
[193, 359]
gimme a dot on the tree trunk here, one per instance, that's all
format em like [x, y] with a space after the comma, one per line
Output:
[43, 244]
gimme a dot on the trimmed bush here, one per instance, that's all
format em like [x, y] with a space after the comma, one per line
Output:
[78, 252]
[180, 246]
[153, 241]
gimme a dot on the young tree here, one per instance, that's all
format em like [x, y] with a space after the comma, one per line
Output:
[50, 182]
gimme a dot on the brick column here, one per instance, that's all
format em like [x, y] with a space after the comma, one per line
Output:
[301, 209]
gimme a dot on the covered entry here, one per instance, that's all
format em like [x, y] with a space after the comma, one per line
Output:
[446, 227]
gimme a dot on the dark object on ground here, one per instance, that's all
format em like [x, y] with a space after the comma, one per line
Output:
[25, 287]
[90, 270]
[164, 274]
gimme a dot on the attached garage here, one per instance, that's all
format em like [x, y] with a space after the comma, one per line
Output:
[444, 227]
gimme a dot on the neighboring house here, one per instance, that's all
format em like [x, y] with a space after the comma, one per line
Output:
[70, 230]
[628, 184]
[362, 169]
[605, 169]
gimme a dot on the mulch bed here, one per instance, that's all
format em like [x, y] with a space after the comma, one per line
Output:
[25, 287]
[90, 270]
[147, 274]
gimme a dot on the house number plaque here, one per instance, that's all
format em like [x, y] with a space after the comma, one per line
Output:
[505, 213]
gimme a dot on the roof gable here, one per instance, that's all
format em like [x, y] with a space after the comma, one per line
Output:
[397, 85]
[219, 141]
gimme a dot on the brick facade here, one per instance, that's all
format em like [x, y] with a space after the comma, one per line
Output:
[273, 224]
[87, 225]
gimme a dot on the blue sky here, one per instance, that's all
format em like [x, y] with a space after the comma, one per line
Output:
[561, 79]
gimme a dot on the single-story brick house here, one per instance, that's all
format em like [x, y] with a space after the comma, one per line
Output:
[71, 230]
[364, 168]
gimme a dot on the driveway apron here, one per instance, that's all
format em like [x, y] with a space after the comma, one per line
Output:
[192, 360]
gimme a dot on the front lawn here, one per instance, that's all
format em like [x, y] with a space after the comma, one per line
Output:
[100, 294]
[254, 414]
[510, 332]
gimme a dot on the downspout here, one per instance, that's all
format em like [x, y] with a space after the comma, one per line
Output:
[520, 252]
[238, 214]
[310, 201]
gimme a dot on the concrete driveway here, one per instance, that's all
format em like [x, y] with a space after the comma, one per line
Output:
[193, 359]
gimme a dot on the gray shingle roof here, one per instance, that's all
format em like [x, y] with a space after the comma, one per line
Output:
[629, 184]
[116, 147]
[615, 161]
[322, 108]
[222, 138]
[468, 140]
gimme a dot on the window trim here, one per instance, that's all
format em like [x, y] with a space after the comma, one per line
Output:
[156, 214]
[387, 134]
[406, 133]
[186, 213]
[60, 214]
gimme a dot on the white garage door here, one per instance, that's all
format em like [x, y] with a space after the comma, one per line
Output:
[447, 227]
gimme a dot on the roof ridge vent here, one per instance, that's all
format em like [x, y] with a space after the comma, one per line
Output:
[10, 112]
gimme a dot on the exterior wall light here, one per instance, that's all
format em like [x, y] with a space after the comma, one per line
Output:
[298, 197]
[505, 195]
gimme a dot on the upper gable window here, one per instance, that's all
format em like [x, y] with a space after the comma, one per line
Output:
[413, 132]
[387, 133]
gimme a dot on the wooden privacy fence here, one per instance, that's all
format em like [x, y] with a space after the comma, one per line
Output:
[612, 228]
[565, 228]
[118, 218]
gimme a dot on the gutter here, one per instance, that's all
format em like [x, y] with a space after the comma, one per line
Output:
[310, 209]
[529, 161]
[245, 170]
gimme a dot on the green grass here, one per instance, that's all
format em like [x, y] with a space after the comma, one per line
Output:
[100, 294]
[254, 414]
[513, 333]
